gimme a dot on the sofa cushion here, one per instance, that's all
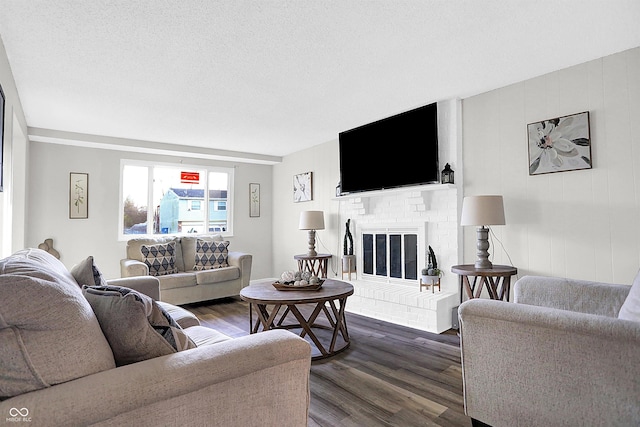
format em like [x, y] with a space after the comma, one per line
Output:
[161, 258]
[177, 280]
[208, 277]
[48, 332]
[188, 244]
[87, 273]
[210, 255]
[205, 336]
[133, 248]
[136, 327]
[183, 317]
[630, 309]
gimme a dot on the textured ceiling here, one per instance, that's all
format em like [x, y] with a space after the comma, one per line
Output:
[274, 77]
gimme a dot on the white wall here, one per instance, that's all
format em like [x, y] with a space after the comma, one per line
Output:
[580, 224]
[288, 241]
[12, 200]
[76, 239]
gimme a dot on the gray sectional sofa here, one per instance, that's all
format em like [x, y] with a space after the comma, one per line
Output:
[188, 285]
[61, 365]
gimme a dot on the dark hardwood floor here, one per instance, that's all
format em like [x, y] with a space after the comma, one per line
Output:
[389, 376]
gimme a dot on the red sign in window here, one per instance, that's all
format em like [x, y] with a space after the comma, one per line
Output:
[190, 177]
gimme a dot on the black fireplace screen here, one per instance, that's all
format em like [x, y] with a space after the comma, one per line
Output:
[393, 255]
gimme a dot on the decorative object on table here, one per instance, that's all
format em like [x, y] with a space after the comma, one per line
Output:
[348, 258]
[302, 187]
[430, 275]
[1, 138]
[482, 211]
[47, 246]
[78, 195]
[312, 221]
[560, 144]
[298, 280]
[447, 175]
[254, 200]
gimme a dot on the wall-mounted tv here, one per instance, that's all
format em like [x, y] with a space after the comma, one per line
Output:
[397, 151]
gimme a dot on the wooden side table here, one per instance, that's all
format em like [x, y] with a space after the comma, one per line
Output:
[496, 279]
[316, 265]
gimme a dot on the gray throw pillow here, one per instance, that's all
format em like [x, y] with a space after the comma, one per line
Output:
[87, 274]
[630, 309]
[48, 332]
[136, 327]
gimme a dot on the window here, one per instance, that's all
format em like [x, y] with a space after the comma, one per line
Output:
[174, 199]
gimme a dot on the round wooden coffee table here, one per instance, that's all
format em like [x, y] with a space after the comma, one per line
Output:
[305, 307]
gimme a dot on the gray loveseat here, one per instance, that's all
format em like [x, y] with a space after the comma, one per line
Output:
[188, 285]
[565, 353]
[58, 368]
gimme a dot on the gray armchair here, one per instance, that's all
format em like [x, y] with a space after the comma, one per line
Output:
[557, 356]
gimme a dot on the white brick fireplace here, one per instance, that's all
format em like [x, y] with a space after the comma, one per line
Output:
[431, 211]
[428, 212]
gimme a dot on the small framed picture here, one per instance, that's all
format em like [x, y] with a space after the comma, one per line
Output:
[254, 200]
[302, 187]
[560, 144]
[78, 195]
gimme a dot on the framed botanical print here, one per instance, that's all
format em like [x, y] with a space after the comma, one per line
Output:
[560, 144]
[254, 200]
[302, 187]
[78, 195]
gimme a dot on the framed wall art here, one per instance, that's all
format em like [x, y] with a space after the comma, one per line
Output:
[1, 139]
[78, 195]
[560, 144]
[302, 187]
[254, 200]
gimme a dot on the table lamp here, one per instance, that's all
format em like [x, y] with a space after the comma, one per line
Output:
[482, 211]
[312, 221]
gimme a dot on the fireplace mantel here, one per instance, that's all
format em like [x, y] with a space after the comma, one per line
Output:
[375, 193]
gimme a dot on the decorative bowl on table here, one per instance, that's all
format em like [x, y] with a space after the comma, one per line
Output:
[298, 281]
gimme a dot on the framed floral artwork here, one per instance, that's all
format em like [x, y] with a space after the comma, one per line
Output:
[78, 195]
[302, 187]
[560, 144]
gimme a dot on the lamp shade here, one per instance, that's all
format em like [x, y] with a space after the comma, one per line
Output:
[311, 220]
[482, 210]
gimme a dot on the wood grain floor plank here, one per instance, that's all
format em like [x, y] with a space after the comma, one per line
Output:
[390, 376]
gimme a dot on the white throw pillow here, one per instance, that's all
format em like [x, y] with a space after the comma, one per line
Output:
[630, 309]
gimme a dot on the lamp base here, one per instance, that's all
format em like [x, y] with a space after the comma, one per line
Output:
[312, 243]
[482, 245]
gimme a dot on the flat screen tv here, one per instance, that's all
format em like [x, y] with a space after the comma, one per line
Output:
[397, 151]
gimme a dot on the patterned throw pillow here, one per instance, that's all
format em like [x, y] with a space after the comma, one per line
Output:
[136, 327]
[160, 258]
[211, 255]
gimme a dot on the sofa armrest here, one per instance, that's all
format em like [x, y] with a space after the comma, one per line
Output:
[243, 261]
[132, 267]
[582, 296]
[148, 285]
[260, 379]
[522, 363]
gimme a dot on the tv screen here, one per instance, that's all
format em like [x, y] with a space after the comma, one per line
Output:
[401, 150]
